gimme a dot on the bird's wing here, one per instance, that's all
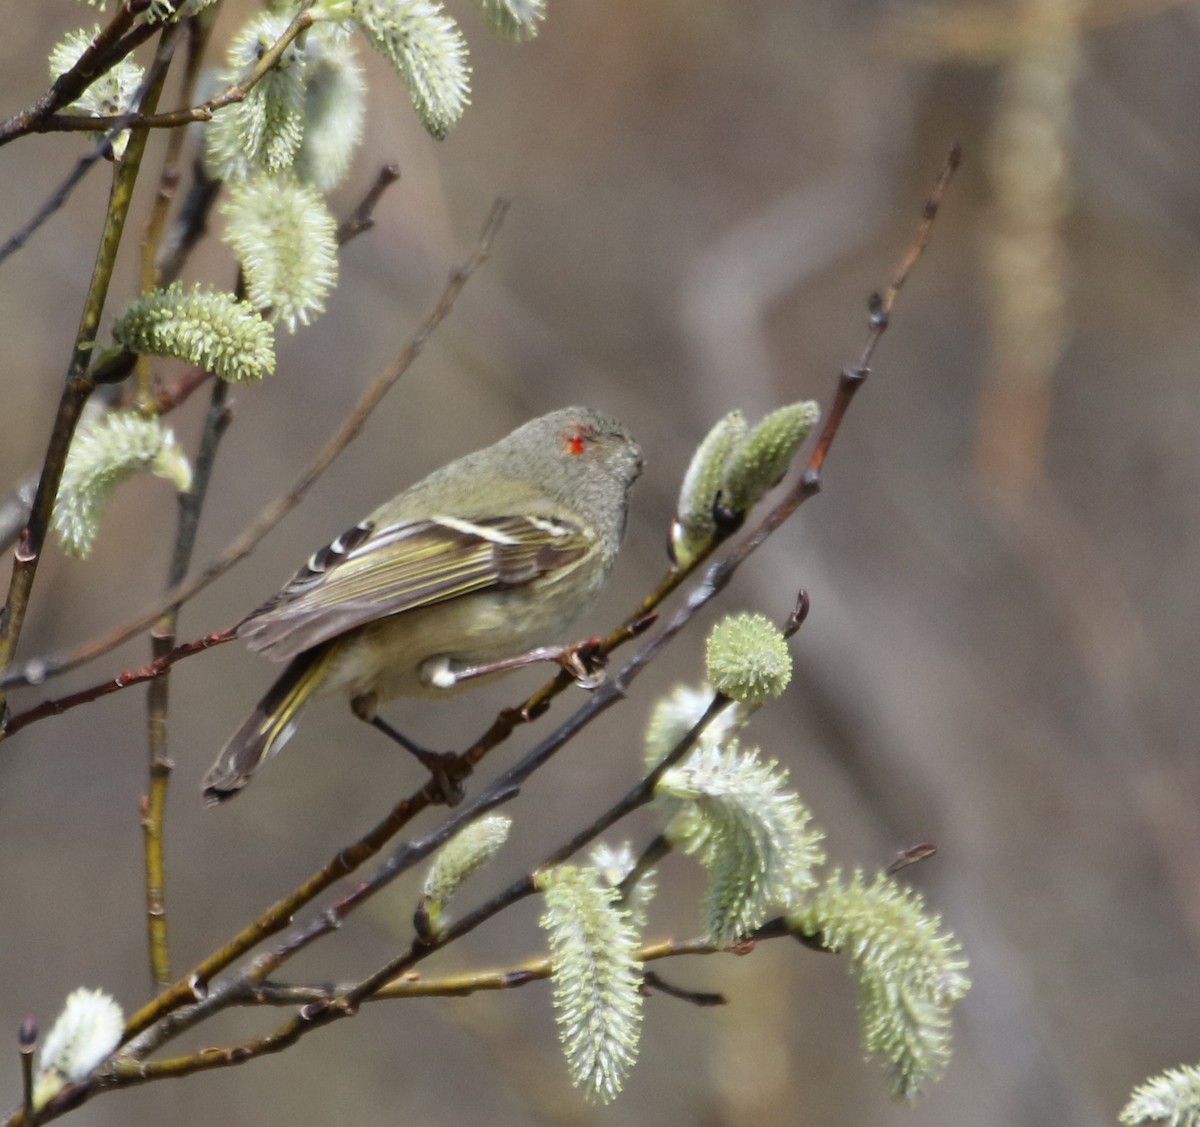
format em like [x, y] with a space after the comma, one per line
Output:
[370, 572]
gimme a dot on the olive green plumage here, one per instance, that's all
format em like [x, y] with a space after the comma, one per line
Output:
[483, 560]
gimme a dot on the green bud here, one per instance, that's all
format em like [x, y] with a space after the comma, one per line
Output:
[748, 658]
[513, 20]
[468, 850]
[425, 46]
[597, 978]
[208, 328]
[760, 462]
[1171, 1097]
[88, 1030]
[909, 971]
[102, 456]
[675, 714]
[694, 525]
[111, 94]
[334, 107]
[263, 131]
[614, 864]
[286, 241]
[732, 809]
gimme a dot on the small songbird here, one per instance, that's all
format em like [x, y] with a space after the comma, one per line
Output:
[464, 574]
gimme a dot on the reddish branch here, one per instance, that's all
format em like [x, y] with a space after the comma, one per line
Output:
[147, 672]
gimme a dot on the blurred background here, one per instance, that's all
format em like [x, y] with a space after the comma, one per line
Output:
[1002, 650]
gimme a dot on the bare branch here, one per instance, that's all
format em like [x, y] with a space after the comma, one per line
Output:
[78, 385]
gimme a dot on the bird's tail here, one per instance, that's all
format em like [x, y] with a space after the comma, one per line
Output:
[269, 727]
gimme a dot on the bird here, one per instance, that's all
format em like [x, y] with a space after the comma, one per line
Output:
[470, 572]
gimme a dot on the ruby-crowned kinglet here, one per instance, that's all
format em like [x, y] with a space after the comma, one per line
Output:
[480, 562]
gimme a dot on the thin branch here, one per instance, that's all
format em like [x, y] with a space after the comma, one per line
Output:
[103, 147]
[43, 119]
[103, 53]
[164, 635]
[38, 670]
[147, 672]
[913, 855]
[189, 227]
[56, 199]
[654, 982]
[174, 119]
[78, 384]
[163, 645]
[362, 218]
[27, 1037]
[658, 848]
[320, 1006]
[458, 985]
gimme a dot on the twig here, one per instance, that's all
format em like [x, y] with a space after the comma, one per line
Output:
[103, 147]
[41, 119]
[174, 119]
[911, 856]
[38, 670]
[168, 184]
[189, 227]
[163, 645]
[78, 385]
[658, 848]
[320, 1007]
[101, 54]
[362, 218]
[57, 198]
[652, 981]
[458, 985]
[27, 1037]
[164, 635]
[147, 672]
[109, 48]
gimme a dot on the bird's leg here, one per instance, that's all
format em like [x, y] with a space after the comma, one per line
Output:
[581, 660]
[444, 767]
